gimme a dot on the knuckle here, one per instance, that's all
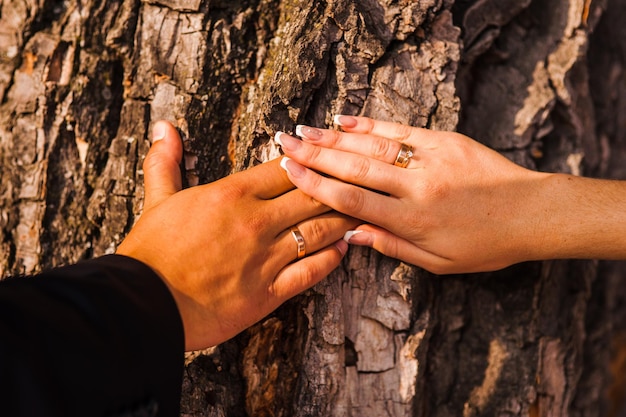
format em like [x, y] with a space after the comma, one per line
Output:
[315, 181]
[232, 191]
[368, 124]
[308, 276]
[352, 201]
[317, 232]
[381, 149]
[312, 153]
[389, 247]
[257, 221]
[151, 161]
[419, 225]
[315, 204]
[403, 131]
[334, 137]
[360, 168]
[435, 191]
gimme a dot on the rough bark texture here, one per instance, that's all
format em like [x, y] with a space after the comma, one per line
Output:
[81, 81]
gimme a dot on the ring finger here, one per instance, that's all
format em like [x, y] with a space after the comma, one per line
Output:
[309, 236]
[291, 208]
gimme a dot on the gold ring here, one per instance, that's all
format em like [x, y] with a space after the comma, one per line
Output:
[404, 156]
[295, 232]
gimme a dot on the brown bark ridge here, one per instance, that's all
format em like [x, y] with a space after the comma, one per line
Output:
[541, 81]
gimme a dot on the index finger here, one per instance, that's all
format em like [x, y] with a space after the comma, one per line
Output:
[389, 130]
[371, 146]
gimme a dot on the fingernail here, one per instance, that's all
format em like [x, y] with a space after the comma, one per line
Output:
[277, 138]
[292, 167]
[345, 121]
[349, 234]
[342, 247]
[309, 132]
[287, 142]
[158, 131]
[358, 237]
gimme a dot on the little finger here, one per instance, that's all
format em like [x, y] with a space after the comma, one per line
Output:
[395, 246]
[306, 272]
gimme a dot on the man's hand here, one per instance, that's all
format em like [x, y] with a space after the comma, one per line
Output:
[225, 249]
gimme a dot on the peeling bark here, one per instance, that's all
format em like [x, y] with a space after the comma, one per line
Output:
[540, 81]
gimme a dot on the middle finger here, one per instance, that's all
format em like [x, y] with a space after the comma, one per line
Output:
[346, 166]
[291, 208]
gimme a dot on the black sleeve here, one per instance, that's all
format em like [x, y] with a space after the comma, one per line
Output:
[100, 338]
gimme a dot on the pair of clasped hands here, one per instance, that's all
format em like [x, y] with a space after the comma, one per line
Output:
[230, 255]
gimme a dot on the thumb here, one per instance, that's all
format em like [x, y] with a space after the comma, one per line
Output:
[161, 170]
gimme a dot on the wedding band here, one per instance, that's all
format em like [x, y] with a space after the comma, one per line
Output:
[295, 232]
[404, 156]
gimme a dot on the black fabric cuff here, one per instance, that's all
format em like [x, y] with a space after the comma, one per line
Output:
[102, 337]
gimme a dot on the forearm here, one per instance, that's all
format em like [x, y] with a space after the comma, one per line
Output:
[578, 217]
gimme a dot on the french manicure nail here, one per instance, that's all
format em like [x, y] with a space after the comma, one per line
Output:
[277, 138]
[287, 142]
[292, 167]
[345, 121]
[309, 132]
[351, 233]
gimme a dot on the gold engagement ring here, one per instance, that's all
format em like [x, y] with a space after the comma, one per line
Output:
[404, 156]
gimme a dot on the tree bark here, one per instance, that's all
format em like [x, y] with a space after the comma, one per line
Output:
[541, 81]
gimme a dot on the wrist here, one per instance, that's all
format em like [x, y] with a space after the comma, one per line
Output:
[577, 217]
[549, 230]
[528, 224]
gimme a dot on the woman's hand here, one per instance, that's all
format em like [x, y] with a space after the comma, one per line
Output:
[457, 207]
[225, 249]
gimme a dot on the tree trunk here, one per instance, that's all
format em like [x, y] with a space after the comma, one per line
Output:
[81, 81]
